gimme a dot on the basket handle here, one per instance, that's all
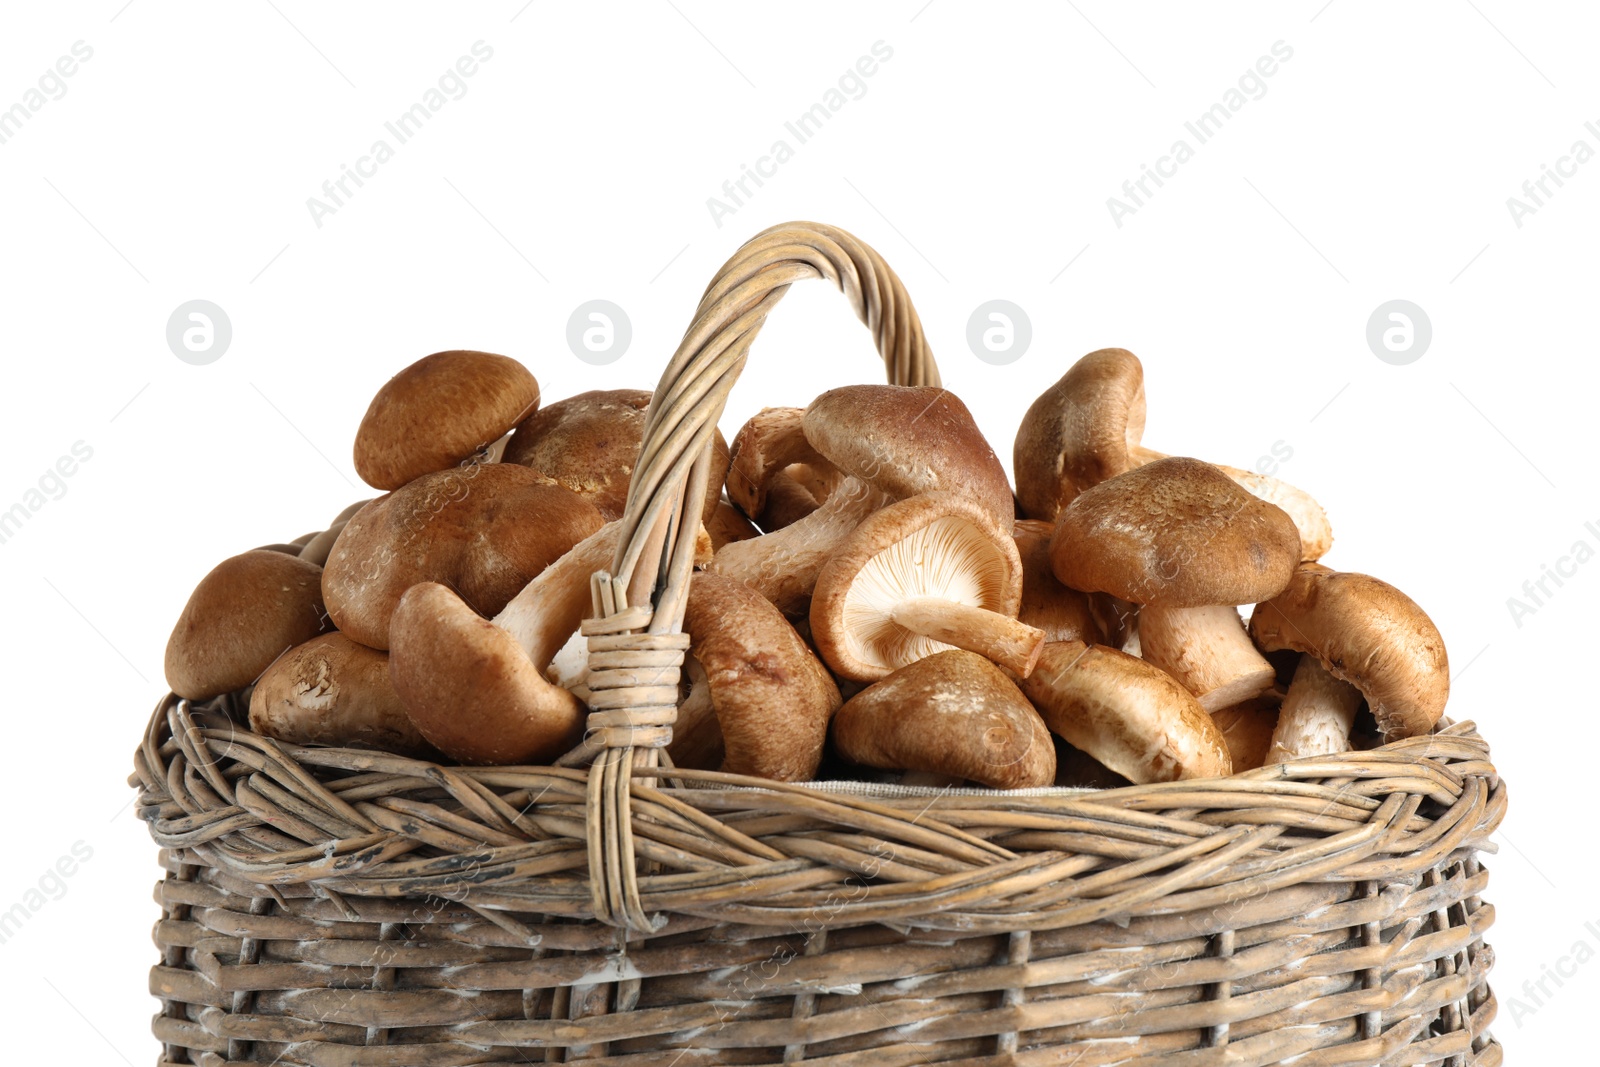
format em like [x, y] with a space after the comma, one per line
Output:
[636, 641]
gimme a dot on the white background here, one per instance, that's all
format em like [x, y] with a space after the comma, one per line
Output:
[979, 161]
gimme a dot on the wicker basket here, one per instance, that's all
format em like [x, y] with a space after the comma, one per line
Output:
[341, 907]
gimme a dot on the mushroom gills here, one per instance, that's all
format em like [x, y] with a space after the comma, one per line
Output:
[927, 593]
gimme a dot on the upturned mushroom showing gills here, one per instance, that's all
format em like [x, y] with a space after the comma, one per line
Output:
[589, 443]
[1188, 543]
[439, 411]
[332, 691]
[1131, 716]
[953, 713]
[769, 695]
[890, 442]
[1087, 428]
[476, 688]
[249, 610]
[483, 529]
[920, 576]
[1366, 632]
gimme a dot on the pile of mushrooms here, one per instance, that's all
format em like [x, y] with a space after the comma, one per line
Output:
[871, 599]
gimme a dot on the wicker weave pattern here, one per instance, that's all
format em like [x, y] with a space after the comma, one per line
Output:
[386, 911]
[340, 908]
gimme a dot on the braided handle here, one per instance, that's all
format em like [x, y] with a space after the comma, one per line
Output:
[636, 643]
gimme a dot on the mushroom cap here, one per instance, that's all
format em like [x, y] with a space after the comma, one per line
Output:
[248, 611]
[771, 441]
[1247, 728]
[1079, 432]
[1368, 633]
[728, 524]
[470, 689]
[485, 529]
[951, 713]
[1178, 533]
[907, 440]
[932, 545]
[589, 443]
[1134, 718]
[439, 411]
[771, 695]
[332, 691]
[1063, 613]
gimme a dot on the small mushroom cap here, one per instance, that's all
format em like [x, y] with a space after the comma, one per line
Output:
[771, 695]
[589, 443]
[933, 545]
[952, 713]
[1247, 728]
[766, 446]
[485, 529]
[469, 687]
[332, 691]
[1079, 432]
[1064, 614]
[1134, 718]
[247, 612]
[1178, 533]
[727, 525]
[1365, 632]
[907, 440]
[439, 411]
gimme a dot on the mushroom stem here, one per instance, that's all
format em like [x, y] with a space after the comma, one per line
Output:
[551, 607]
[1208, 650]
[998, 638]
[1317, 714]
[783, 566]
[1316, 534]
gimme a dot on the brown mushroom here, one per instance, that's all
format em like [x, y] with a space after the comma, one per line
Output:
[727, 525]
[765, 448]
[1366, 632]
[1133, 717]
[1087, 428]
[918, 577]
[1064, 614]
[476, 688]
[1079, 432]
[249, 610]
[951, 713]
[589, 443]
[483, 529]
[1247, 728]
[891, 442]
[770, 697]
[907, 440]
[438, 412]
[332, 691]
[1188, 544]
[318, 546]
